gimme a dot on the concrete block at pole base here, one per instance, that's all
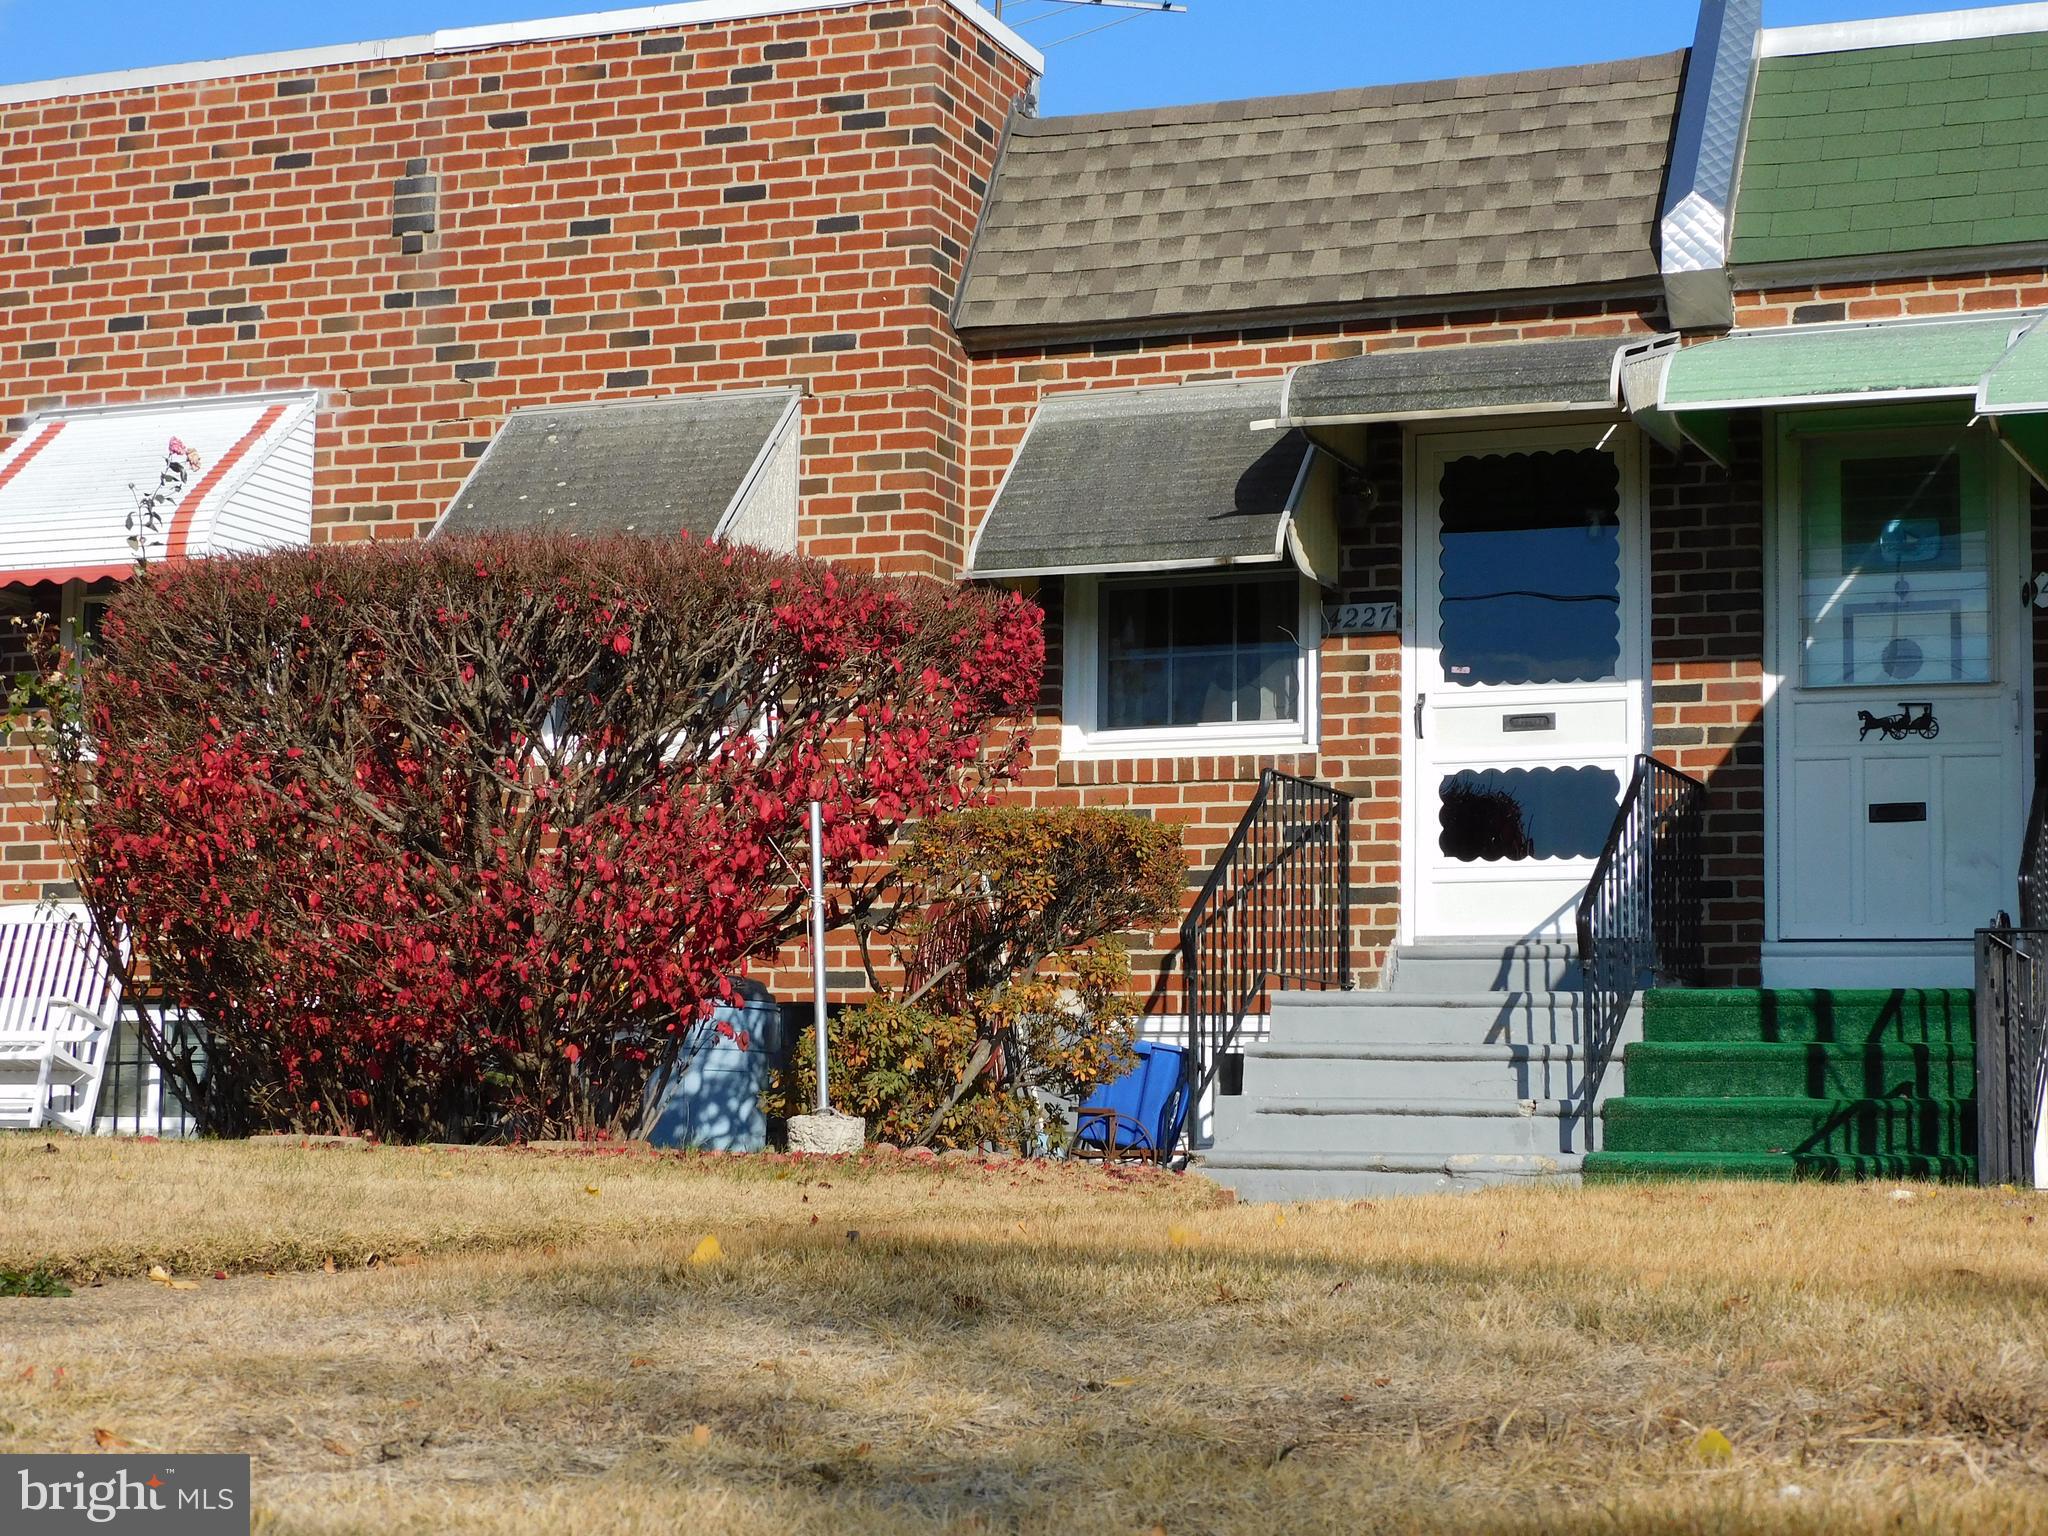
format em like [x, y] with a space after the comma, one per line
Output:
[827, 1135]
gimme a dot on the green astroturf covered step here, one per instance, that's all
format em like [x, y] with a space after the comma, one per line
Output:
[1625, 1167]
[1913, 1015]
[1707, 1069]
[1893, 1126]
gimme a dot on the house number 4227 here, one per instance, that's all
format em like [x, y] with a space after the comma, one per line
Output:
[1361, 618]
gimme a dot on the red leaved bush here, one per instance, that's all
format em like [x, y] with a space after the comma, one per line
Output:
[486, 823]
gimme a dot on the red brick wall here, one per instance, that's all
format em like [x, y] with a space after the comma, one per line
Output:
[437, 240]
[1707, 675]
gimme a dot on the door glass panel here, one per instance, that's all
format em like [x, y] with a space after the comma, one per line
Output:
[1530, 568]
[1526, 813]
[1895, 577]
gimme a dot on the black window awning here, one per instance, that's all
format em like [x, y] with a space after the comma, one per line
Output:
[1168, 478]
[692, 466]
[1484, 379]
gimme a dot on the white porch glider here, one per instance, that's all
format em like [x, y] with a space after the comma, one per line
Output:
[68, 485]
[60, 999]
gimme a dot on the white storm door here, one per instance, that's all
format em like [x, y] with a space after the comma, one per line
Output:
[1526, 666]
[1903, 656]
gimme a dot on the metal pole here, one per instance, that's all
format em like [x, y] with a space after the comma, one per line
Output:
[818, 948]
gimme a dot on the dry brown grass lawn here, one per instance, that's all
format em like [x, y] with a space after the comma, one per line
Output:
[1009, 1348]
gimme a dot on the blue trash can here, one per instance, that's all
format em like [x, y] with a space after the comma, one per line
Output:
[711, 1099]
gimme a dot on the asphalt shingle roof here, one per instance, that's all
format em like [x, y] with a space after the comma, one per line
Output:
[1490, 185]
[1926, 146]
[1147, 478]
[662, 468]
[1424, 381]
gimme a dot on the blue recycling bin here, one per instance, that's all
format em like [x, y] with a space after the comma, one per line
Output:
[710, 1099]
[1141, 1113]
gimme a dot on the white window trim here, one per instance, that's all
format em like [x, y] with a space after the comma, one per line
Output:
[1081, 671]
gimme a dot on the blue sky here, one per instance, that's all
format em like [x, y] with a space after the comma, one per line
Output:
[1221, 48]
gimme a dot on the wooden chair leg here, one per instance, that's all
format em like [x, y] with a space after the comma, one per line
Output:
[42, 1098]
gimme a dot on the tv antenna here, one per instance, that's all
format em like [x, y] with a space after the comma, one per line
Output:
[1053, 8]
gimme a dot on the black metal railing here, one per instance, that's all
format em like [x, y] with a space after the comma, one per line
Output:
[2034, 859]
[1276, 910]
[2012, 1050]
[1640, 916]
[2011, 1015]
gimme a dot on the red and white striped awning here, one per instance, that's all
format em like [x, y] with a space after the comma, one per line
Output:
[70, 483]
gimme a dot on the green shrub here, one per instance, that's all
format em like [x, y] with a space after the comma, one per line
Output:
[31, 1282]
[1015, 989]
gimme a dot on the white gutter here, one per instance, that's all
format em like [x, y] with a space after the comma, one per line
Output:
[646, 18]
[1901, 31]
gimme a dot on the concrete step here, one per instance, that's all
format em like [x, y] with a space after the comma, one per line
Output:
[1290, 1127]
[1490, 965]
[1341, 1018]
[1340, 1176]
[1732, 1069]
[1422, 1071]
[1905, 1015]
[1903, 1126]
[1627, 1167]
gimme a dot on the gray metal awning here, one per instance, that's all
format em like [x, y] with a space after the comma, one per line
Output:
[690, 466]
[1488, 379]
[1160, 479]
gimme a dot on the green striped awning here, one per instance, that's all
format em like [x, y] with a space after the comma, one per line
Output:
[1890, 360]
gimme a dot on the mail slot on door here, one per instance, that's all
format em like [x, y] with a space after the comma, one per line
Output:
[1528, 722]
[1882, 811]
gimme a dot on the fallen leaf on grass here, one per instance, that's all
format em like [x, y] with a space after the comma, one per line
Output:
[709, 1251]
[336, 1448]
[107, 1438]
[1713, 1447]
[1179, 1236]
[183, 1285]
[590, 1189]
[701, 1435]
[159, 1274]
[638, 1363]
[328, 1264]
